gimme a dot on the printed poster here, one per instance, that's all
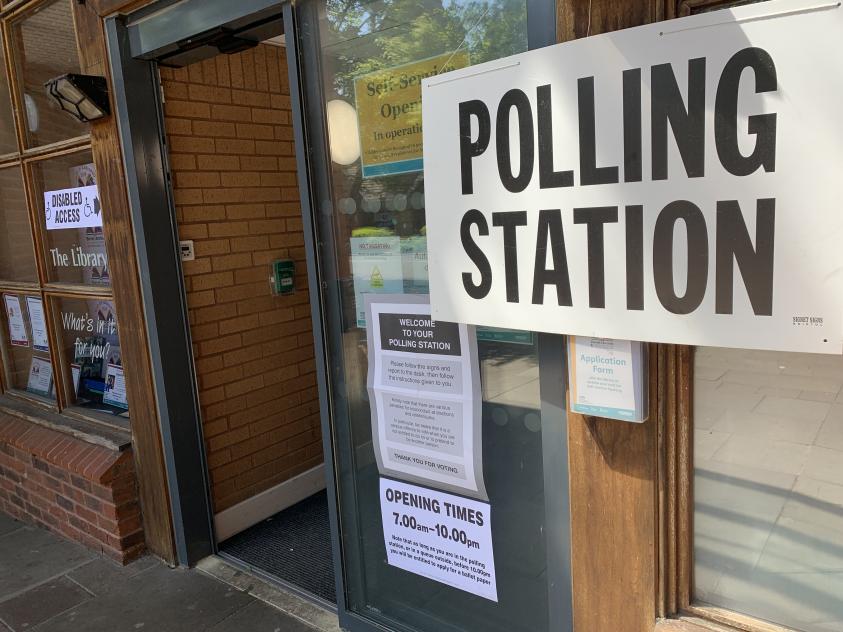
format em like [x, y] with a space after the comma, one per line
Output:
[40, 341]
[17, 327]
[76, 372]
[40, 377]
[424, 393]
[79, 207]
[442, 537]
[414, 264]
[606, 378]
[377, 268]
[114, 392]
[389, 113]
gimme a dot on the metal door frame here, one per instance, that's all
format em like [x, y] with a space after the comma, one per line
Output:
[313, 159]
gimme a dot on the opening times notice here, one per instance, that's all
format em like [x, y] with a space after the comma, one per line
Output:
[440, 536]
[424, 390]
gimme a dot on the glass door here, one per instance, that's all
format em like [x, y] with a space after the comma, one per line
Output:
[361, 65]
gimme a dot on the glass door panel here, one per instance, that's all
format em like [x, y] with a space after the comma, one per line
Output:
[361, 66]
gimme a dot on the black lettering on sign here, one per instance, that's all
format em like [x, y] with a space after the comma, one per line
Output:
[590, 173]
[688, 124]
[509, 221]
[762, 126]
[755, 264]
[470, 149]
[419, 333]
[697, 264]
[551, 232]
[548, 178]
[481, 289]
[526, 141]
[594, 218]
[677, 112]
[632, 125]
[635, 257]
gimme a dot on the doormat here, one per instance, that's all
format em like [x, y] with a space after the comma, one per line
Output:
[294, 545]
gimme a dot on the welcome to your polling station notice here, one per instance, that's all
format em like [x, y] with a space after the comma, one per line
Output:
[424, 392]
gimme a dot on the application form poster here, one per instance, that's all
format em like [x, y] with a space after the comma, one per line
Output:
[440, 536]
[424, 392]
[607, 378]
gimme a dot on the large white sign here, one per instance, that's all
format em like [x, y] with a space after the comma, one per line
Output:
[424, 391]
[442, 537]
[73, 208]
[677, 182]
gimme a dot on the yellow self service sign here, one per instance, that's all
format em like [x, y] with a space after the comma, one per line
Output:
[389, 113]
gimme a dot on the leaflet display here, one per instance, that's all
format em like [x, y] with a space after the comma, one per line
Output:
[424, 392]
[40, 341]
[17, 326]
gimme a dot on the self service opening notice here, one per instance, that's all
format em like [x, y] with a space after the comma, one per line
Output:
[677, 182]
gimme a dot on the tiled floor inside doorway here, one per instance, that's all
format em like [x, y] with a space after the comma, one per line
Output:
[769, 485]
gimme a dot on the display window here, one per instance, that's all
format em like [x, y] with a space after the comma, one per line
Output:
[37, 63]
[17, 253]
[67, 198]
[8, 134]
[60, 340]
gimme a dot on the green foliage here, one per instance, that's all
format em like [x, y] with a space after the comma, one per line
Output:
[364, 37]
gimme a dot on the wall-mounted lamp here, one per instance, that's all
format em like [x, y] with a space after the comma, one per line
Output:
[84, 97]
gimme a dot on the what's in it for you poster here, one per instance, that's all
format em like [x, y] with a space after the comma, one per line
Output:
[424, 391]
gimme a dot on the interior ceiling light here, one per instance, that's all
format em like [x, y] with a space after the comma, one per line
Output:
[85, 97]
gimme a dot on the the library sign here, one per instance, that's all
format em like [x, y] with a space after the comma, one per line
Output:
[677, 182]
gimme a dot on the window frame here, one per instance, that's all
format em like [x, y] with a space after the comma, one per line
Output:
[50, 292]
[676, 463]
[675, 524]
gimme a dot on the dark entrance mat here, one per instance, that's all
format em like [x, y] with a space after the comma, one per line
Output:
[294, 546]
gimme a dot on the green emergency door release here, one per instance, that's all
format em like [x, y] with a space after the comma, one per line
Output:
[283, 277]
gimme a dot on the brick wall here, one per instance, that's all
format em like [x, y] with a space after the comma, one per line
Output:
[234, 177]
[81, 491]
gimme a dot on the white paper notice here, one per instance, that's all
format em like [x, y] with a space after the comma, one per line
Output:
[17, 327]
[377, 268]
[601, 374]
[39, 326]
[424, 391]
[442, 537]
[73, 208]
[76, 372]
[40, 377]
[115, 387]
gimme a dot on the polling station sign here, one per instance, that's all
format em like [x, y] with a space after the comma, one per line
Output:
[677, 182]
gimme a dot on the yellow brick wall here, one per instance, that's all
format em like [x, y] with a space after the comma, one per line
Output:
[234, 177]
